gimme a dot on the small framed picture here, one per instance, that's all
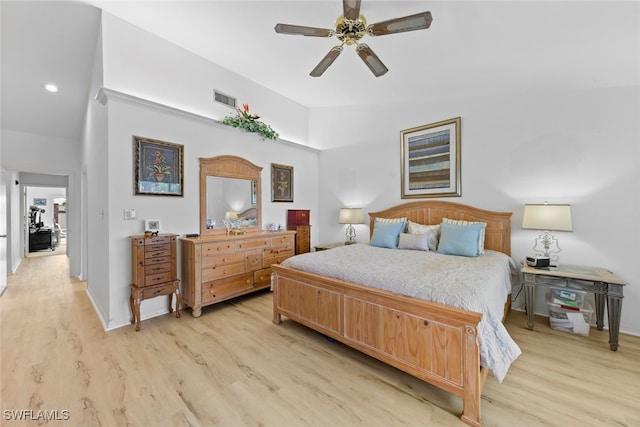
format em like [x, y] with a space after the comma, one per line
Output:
[152, 225]
[40, 202]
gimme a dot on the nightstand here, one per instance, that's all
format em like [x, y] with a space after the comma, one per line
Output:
[606, 287]
[328, 246]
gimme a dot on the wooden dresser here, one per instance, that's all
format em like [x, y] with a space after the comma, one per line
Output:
[298, 221]
[220, 267]
[153, 272]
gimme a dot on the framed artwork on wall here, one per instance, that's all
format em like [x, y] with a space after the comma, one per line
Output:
[281, 183]
[431, 160]
[158, 167]
[40, 202]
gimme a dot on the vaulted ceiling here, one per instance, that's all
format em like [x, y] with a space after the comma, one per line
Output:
[472, 48]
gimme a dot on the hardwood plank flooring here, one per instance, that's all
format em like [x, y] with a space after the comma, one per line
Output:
[233, 367]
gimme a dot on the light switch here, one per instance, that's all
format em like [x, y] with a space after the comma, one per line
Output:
[130, 214]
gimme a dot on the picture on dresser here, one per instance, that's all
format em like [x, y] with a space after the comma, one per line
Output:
[158, 167]
[281, 183]
[151, 225]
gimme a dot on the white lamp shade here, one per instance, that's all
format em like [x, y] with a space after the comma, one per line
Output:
[547, 217]
[351, 216]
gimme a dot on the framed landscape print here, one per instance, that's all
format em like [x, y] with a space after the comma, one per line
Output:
[281, 183]
[431, 160]
[158, 167]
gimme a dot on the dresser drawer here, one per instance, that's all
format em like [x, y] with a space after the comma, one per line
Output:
[282, 240]
[278, 252]
[149, 241]
[158, 253]
[154, 279]
[217, 272]
[262, 277]
[253, 260]
[155, 291]
[224, 259]
[211, 249]
[268, 262]
[252, 244]
[158, 247]
[157, 260]
[226, 288]
[154, 269]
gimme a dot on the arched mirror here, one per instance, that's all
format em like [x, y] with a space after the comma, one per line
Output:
[230, 189]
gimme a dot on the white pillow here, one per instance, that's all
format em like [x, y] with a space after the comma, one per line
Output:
[433, 231]
[418, 242]
[467, 223]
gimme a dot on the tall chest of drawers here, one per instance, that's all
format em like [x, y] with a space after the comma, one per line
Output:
[153, 271]
[218, 268]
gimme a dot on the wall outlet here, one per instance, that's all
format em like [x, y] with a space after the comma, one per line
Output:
[130, 214]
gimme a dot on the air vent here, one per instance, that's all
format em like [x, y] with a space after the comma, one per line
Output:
[227, 100]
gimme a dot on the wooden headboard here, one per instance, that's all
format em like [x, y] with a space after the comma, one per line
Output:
[250, 213]
[497, 234]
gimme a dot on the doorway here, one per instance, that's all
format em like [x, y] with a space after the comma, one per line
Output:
[45, 221]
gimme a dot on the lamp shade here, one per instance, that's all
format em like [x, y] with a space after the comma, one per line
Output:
[547, 217]
[351, 216]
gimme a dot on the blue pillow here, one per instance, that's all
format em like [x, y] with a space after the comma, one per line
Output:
[385, 235]
[460, 239]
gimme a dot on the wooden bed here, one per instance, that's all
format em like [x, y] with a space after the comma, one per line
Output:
[430, 341]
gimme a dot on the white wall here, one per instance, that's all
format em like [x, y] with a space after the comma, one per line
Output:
[180, 215]
[156, 90]
[573, 147]
[141, 64]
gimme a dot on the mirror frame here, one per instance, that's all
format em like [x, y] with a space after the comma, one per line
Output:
[228, 167]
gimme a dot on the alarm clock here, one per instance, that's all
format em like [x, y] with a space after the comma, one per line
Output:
[538, 261]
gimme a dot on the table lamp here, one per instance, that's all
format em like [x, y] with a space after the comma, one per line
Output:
[350, 216]
[546, 217]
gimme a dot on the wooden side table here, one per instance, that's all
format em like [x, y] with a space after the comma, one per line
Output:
[328, 246]
[606, 287]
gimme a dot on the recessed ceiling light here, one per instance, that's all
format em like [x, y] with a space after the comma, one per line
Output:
[50, 87]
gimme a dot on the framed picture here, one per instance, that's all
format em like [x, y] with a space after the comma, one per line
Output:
[40, 202]
[158, 167]
[431, 160]
[151, 225]
[281, 183]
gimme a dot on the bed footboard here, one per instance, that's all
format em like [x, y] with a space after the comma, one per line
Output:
[433, 342]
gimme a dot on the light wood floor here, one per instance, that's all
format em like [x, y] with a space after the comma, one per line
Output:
[233, 367]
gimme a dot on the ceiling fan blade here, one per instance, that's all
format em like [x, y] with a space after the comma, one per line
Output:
[419, 21]
[371, 59]
[301, 30]
[326, 61]
[351, 9]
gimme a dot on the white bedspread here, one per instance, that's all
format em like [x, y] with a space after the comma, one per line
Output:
[478, 284]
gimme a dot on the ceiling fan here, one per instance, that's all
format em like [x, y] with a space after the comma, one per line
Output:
[350, 27]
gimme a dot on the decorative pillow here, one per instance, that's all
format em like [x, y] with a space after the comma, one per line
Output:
[391, 220]
[460, 239]
[462, 222]
[385, 235]
[418, 242]
[431, 230]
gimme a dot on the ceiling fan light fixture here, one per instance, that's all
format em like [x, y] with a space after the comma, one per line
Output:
[350, 27]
